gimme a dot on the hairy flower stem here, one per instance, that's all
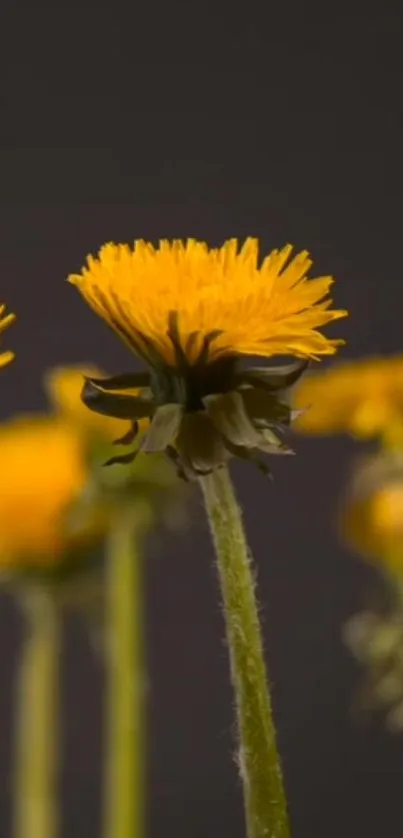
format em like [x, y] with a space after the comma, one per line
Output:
[124, 782]
[37, 733]
[264, 799]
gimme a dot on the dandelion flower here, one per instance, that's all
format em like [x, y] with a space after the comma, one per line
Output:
[372, 514]
[44, 473]
[193, 314]
[363, 398]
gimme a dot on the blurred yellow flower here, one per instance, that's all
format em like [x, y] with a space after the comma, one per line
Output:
[64, 386]
[372, 516]
[363, 398]
[374, 526]
[5, 322]
[44, 473]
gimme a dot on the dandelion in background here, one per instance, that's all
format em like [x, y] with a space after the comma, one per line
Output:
[194, 315]
[364, 398]
[59, 506]
[45, 558]
[371, 522]
[137, 498]
[44, 472]
[372, 510]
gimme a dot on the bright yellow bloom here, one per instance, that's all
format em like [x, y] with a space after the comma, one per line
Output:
[5, 322]
[372, 517]
[64, 386]
[363, 398]
[192, 314]
[219, 294]
[374, 526]
[43, 473]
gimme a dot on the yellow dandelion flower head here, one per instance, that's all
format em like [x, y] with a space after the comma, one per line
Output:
[221, 294]
[43, 474]
[363, 398]
[64, 386]
[372, 517]
[5, 322]
[193, 313]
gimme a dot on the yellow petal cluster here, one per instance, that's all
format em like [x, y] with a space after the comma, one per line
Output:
[363, 398]
[5, 322]
[266, 310]
[43, 473]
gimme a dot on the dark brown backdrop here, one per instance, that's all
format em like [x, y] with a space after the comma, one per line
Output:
[279, 123]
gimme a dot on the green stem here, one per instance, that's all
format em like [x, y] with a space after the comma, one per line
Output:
[37, 733]
[264, 799]
[124, 791]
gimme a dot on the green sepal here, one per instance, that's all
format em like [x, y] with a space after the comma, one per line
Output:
[272, 378]
[294, 414]
[167, 386]
[200, 446]
[124, 381]
[118, 405]
[182, 469]
[271, 444]
[128, 437]
[248, 454]
[263, 408]
[164, 428]
[122, 459]
[228, 414]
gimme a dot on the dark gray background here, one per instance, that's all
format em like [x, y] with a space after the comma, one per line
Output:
[280, 121]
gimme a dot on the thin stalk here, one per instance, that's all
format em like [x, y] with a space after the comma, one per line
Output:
[264, 798]
[37, 729]
[124, 781]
